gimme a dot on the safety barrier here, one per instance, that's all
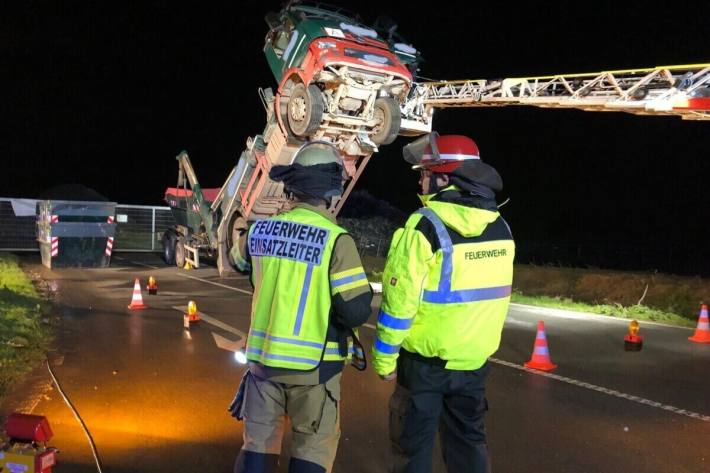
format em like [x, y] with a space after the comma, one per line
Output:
[139, 227]
[76, 234]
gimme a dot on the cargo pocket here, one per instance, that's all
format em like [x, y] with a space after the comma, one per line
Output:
[331, 407]
[314, 409]
[236, 408]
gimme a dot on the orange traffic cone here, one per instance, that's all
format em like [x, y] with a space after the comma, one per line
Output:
[137, 300]
[541, 355]
[702, 331]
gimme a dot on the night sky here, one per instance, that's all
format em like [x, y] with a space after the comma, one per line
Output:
[106, 94]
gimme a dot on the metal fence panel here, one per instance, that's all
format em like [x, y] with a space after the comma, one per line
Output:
[139, 227]
[17, 233]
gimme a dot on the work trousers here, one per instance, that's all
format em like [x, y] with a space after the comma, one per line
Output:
[429, 398]
[315, 424]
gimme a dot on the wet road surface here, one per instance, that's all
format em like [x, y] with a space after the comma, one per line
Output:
[154, 396]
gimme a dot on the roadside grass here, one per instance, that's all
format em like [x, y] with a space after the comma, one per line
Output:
[23, 336]
[598, 292]
[373, 265]
[638, 312]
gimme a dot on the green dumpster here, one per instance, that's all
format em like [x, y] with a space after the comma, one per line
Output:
[76, 233]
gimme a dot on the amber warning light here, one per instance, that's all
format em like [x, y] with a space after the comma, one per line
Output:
[152, 286]
[633, 341]
[27, 449]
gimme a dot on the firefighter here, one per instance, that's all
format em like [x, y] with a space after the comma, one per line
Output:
[310, 294]
[446, 290]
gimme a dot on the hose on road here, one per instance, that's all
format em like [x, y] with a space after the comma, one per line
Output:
[77, 416]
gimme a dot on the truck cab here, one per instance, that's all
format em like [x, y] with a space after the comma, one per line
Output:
[338, 79]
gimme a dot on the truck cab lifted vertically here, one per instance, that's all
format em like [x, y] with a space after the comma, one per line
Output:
[339, 79]
[352, 85]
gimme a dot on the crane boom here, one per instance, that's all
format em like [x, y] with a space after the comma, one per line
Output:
[664, 90]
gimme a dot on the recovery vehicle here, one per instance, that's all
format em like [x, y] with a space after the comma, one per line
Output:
[351, 85]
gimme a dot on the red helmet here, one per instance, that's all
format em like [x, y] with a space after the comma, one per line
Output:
[447, 153]
[455, 155]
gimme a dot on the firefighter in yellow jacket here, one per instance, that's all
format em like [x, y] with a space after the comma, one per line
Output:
[310, 294]
[446, 290]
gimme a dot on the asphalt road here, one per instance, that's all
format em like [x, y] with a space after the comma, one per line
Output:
[154, 396]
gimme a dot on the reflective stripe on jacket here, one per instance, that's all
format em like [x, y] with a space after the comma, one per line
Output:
[445, 293]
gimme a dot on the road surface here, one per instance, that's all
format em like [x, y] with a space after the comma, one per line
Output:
[154, 396]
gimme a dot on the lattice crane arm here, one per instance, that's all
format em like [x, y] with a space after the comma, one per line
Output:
[665, 90]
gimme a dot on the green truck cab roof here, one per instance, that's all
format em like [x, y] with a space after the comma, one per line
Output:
[294, 28]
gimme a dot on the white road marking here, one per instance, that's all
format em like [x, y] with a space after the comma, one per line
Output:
[570, 314]
[600, 389]
[215, 283]
[227, 344]
[525, 308]
[603, 390]
[510, 320]
[213, 321]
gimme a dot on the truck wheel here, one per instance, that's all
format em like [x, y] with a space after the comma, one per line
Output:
[389, 120]
[305, 110]
[180, 253]
[168, 241]
[237, 225]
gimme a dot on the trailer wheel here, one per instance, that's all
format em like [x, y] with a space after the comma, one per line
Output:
[389, 119]
[305, 110]
[168, 241]
[180, 253]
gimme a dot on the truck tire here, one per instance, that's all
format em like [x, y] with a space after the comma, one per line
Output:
[236, 225]
[168, 241]
[180, 254]
[390, 119]
[305, 110]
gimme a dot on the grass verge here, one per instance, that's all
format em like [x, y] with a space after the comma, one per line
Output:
[23, 335]
[580, 289]
[638, 312]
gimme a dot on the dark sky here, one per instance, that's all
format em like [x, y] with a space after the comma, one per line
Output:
[106, 94]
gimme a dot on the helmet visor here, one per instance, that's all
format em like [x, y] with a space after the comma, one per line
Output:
[423, 148]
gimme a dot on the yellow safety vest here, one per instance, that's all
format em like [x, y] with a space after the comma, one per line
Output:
[290, 256]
